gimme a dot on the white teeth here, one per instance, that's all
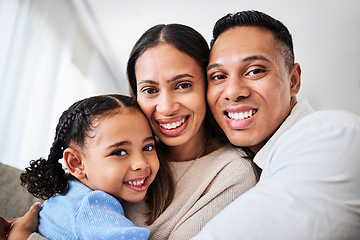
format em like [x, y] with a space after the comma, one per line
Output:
[172, 125]
[241, 115]
[136, 183]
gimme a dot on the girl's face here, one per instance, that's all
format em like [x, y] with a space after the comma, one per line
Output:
[171, 93]
[119, 156]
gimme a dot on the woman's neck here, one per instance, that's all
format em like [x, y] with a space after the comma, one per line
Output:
[198, 146]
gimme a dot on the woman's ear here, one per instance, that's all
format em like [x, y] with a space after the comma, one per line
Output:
[73, 161]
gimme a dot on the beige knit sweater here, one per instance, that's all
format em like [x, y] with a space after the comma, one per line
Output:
[208, 186]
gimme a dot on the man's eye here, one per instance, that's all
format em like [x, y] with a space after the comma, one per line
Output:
[149, 91]
[119, 152]
[149, 148]
[218, 77]
[256, 71]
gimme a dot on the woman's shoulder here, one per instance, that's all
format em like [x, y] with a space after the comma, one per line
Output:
[230, 165]
[227, 154]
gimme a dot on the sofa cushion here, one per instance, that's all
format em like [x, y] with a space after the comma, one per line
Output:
[14, 199]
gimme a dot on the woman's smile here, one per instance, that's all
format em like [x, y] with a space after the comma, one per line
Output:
[173, 127]
[171, 93]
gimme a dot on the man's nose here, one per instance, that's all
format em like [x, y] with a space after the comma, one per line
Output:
[236, 89]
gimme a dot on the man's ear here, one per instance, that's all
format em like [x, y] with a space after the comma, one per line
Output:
[73, 161]
[295, 79]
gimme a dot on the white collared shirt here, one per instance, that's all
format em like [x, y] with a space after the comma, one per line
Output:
[309, 187]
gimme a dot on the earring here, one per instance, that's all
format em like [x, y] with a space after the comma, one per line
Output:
[80, 172]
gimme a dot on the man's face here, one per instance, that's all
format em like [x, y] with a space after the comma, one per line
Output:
[249, 87]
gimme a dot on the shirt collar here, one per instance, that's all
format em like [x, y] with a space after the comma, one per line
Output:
[300, 110]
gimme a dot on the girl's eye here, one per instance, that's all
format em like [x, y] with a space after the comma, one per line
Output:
[149, 148]
[184, 85]
[149, 90]
[119, 152]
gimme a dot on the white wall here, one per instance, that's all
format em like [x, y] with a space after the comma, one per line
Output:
[326, 36]
[47, 61]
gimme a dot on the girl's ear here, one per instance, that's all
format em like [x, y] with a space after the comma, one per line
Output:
[73, 161]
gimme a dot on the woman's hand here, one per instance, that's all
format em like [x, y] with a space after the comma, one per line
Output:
[4, 228]
[23, 227]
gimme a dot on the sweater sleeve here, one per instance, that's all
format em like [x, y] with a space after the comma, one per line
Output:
[101, 215]
[232, 181]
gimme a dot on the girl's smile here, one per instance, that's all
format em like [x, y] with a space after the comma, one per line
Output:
[119, 159]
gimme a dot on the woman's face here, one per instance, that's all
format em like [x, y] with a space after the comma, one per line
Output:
[171, 93]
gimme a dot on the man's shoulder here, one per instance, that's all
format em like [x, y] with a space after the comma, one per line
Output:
[331, 118]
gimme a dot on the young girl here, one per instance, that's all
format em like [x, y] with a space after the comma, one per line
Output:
[108, 149]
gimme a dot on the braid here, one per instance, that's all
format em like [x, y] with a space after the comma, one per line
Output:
[45, 178]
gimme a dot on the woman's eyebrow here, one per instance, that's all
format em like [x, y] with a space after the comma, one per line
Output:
[148, 82]
[180, 76]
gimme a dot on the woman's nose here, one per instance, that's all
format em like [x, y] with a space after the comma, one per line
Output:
[167, 104]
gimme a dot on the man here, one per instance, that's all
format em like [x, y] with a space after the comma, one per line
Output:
[310, 182]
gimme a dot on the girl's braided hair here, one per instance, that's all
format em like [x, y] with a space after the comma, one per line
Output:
[46, 177]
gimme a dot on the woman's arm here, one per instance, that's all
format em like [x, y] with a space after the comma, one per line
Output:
[24, 226]
[4, 228]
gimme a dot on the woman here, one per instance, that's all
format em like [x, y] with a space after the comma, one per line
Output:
[166, 73]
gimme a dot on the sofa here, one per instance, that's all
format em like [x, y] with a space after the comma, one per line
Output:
[14, 199]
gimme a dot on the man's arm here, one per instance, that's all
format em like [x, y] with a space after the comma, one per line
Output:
[309, 188]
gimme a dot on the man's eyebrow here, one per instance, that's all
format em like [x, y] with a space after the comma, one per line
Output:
[247, 59]
[214, 65]
[255, 57]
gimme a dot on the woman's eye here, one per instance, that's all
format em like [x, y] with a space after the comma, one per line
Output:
[119, 152]
[149, 91]
[183, 85]
[148, 148]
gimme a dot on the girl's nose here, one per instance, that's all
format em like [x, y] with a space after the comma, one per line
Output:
[139, 163]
